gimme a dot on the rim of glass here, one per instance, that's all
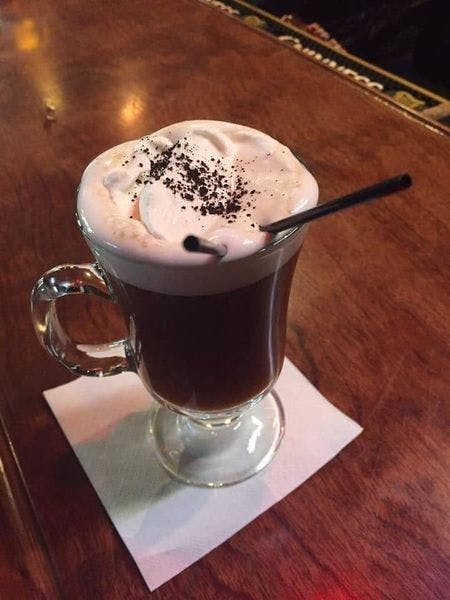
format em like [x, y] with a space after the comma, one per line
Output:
[276, 241]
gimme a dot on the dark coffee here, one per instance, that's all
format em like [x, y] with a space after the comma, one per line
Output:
[210, 352]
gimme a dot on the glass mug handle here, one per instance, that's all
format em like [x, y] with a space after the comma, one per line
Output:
[80, 359]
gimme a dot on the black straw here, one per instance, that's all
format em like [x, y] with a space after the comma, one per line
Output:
[192, 243]
[389, 186]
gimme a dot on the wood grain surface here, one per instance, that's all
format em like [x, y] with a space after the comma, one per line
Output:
[368, 321]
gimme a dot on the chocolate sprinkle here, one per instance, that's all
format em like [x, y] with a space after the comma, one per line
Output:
[207, 186]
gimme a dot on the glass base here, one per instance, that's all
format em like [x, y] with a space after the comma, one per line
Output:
[214, 453]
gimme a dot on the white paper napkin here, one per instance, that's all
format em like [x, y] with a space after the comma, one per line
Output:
[167, 526]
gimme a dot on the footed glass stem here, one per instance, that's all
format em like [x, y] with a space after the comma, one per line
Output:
[219, 450]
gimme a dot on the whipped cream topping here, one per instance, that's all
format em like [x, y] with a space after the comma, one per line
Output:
[216, 180]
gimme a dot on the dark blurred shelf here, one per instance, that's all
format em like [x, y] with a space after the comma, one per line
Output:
[411, 38]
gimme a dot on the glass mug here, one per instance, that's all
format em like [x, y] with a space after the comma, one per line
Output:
[209, 358]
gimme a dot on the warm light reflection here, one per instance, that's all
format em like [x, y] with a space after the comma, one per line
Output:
[26, 35]
[48, 86]
[132, 109]
[41, 327]
[28, 38]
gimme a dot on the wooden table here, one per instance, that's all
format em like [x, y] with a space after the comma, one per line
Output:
[368, 318]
